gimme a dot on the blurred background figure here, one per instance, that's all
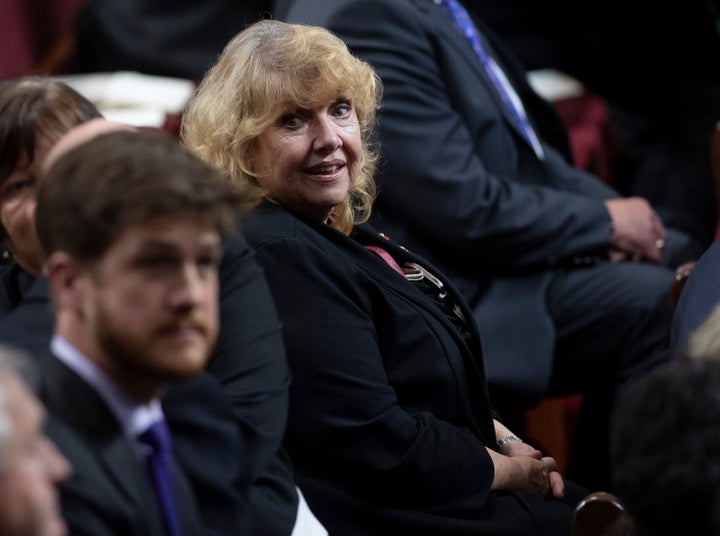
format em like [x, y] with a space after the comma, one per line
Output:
[704, 342]
[657, 64]
[30, 464]
[34, 113]
[699, 298]
[180, 38]
[666, 448]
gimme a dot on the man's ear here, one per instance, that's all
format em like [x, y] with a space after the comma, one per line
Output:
[67, 280]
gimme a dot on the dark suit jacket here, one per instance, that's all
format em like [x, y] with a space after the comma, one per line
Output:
[180, 38]
[699, 297]
[109, 492]
[664, 98]
[249, 361]
[14, 284]
[389, 415]
[460, 185]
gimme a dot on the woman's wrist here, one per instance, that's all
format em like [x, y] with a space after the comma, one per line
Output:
[506, 439]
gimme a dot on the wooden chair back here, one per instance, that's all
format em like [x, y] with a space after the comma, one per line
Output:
[600, 514]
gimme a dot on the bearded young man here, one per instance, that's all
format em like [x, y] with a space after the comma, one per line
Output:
[132, 226]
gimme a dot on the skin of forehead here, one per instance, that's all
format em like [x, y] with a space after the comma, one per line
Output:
[80, 134]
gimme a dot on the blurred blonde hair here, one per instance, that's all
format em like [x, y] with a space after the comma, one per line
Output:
[704, 343]
[264, 69]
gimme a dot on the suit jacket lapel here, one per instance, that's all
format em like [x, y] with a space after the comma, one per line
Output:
[447, 29]
[81, 408]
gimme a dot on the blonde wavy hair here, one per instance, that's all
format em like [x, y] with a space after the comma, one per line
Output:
[264, 69]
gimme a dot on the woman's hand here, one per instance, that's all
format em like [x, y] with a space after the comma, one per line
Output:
[515, 447]
[520, 448]
[532, 473]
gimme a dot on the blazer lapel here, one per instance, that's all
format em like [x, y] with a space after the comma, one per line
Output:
[471, 350]
[369, 236]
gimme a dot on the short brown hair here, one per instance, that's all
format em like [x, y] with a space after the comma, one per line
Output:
[266, 67]
[32, 108]
[91, 194]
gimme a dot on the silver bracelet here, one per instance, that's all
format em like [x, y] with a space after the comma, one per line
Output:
[507, 439]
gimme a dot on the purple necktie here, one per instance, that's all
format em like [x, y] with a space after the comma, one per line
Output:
[462, 20]
[159, 463]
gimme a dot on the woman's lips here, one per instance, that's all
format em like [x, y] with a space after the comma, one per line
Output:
[327, 170]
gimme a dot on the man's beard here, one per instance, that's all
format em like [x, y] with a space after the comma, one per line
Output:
[134, 355]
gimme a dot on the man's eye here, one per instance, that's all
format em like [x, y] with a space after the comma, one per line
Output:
[208, 262]
[155, 262]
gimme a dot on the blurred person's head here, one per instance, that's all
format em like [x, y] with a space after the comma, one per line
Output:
[665, 449]
[132, 225]
[288, 113]
[80, 134]
[34, 113]
[31, 467]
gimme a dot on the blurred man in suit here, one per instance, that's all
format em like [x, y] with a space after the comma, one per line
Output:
[132, 227]
[248, 360]
[657, 64]
[30, 464]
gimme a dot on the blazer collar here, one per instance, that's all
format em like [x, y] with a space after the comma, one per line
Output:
[364, 235]
[472, 349]
[367, 235]
[353, 246]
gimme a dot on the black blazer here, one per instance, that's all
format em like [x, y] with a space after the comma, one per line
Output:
[109, 492]
[459, 183]
[389, 414]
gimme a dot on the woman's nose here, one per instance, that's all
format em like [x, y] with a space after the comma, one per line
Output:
[326, 137]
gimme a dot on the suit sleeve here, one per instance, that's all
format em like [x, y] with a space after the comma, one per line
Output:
[346, 423]
[699, 297]
[250, 363]
[249, 359]
[434, 178]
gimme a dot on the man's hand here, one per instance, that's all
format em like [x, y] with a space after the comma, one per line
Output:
[638, 234]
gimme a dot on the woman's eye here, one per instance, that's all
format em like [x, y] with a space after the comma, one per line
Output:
[292, 121]
[12, 188]
[343, 109]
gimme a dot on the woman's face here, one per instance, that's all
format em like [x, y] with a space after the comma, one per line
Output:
[17, 210]
[308, 158]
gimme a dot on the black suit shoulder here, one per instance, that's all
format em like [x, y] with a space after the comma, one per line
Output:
[108, 493]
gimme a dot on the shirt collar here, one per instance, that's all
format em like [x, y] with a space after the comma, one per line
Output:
[134, 418]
